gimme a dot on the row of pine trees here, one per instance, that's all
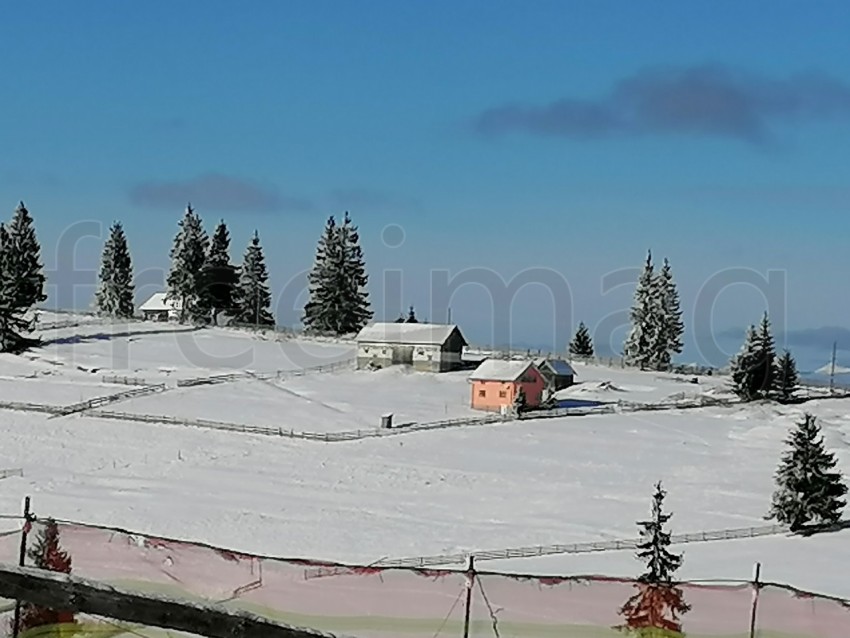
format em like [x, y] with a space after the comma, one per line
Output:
[202, 278]
[657, 330]
[204, 282]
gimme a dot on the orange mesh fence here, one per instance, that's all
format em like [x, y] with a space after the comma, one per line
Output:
[377, 602]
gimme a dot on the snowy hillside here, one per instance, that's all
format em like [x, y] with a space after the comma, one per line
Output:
[563, 480]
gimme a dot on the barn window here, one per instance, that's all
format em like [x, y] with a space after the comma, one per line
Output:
[503, 394]
[482, 393]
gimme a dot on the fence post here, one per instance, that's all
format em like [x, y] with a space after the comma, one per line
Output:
[470, 581]
[28, 517]
[756, 587]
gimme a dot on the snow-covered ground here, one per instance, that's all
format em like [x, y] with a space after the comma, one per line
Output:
[488, 487]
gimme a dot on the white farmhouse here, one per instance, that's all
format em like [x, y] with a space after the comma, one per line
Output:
[160, 308]
[428, 347]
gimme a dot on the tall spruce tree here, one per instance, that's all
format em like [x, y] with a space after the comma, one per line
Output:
[219, 277]
[185, 280]
[253, 292]
[641, 345]
[323, 306]
[357, 309]
[670, 329]
[13, 312]
[47, 554]
[114, 296]
[339, 302]
[24, 259]
[658, 605]
[582, 345]
[808, 488]
[786, 380]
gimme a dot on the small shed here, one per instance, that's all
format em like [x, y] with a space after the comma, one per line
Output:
[160, 308]
[496, 383]
[559, 374]
[428, 347]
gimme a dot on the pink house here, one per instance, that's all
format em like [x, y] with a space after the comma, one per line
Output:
[496, 383]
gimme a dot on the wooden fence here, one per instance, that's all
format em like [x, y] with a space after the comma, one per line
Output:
[579, 548]
[278, 374]
[125, 380]
[85, 406]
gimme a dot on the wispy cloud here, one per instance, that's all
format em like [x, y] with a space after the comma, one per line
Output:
[216, 192]
[707, 100]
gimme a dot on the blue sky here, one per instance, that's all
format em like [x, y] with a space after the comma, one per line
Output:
[568, 136]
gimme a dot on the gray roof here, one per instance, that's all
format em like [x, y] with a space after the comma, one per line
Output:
[408, 333]
[500, 370]
[558, 367]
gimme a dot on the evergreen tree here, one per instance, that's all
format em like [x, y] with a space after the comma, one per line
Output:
[660, 562]
[808, 488]
[742, 366]
[24, 259]
[114, 296]
[642, 343]
[338, 303]
[47, 554]
[754, 369]
[411, 316]
[254, 296]
[581, 345]
[656, 608]
[185, 280]
[670, 325]
[323, 307]
[357, 312]
[13, 319]
[786, 379]
[220, 278]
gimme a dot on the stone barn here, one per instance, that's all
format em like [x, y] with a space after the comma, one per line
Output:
[428, 347]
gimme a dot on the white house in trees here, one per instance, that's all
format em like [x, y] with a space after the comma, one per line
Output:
[159, 308]
[428, 347]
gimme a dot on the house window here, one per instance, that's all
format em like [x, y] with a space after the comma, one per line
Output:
[366, 349]
[482, 393]
[383, 351]
[503, 394]
[421, 351]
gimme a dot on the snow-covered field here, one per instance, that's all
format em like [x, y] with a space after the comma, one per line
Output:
[487, 487]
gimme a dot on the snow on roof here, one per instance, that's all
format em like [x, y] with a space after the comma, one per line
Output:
[407, 333]
[499, 370]
[158, 302]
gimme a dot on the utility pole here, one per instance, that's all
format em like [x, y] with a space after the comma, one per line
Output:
[470, 581]
[28, 518]
[754, 609]
[832, 369]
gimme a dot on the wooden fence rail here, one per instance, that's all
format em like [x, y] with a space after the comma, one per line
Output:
[67, 592]
[579, 548]
[84, 406]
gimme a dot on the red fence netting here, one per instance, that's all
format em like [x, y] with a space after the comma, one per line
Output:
[374, 602]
